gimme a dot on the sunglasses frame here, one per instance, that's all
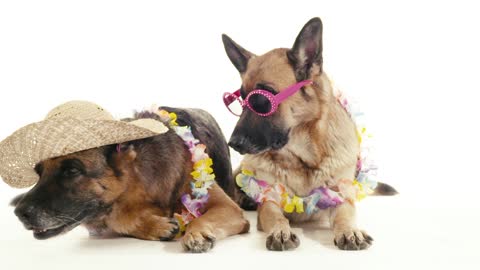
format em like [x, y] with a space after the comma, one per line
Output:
[275, 100]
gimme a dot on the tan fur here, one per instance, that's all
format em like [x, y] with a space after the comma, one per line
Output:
[319, 152]
[272, 221]
[222, 218]
[322, 148]
[134, 214]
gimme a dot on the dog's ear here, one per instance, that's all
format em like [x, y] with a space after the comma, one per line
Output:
[307, 49]
[120, 157]
[238, 55]
[128, 153]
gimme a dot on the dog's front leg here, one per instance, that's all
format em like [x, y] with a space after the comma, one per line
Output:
[222, 218]
[272, 221]
[142, 221]
[347, 235]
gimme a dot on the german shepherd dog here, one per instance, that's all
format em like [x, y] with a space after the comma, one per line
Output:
[133, 189]
[310, 141]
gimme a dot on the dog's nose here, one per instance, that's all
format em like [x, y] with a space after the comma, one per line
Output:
[25, 213]
[237, 143]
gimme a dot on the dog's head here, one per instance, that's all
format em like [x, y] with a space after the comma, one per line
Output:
[72, 189]
[273, 72]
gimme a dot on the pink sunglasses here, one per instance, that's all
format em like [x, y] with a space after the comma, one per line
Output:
[265, 103]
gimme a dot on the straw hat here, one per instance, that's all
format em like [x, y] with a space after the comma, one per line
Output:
[71, 127]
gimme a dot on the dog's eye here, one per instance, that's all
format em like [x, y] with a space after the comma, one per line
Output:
[72, 167]
[260, 103]
[70, 172]
[266, 88]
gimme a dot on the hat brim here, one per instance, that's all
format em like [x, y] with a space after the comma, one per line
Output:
[21, 151]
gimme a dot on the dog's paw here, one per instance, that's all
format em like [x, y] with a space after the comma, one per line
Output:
[352, 240]
[169, 230]
[282, 238]
[155, 228]
[198, 242]
[165, 228]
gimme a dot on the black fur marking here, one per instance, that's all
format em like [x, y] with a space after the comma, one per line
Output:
[206, 129]
[254, 134]
[266, 88]
[238, 55]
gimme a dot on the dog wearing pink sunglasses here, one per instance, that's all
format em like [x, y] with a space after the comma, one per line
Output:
[297, 138]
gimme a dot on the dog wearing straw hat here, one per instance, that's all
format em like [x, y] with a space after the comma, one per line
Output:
[162, 174]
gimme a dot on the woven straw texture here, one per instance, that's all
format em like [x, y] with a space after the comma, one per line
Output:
[69, 128]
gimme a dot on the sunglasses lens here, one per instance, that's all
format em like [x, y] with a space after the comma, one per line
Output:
[260, 103]
[235, 107]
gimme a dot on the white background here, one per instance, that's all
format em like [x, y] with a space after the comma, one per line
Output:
[412, 65]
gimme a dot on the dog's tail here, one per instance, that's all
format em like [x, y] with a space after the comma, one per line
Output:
[383, 189]
[247, 203]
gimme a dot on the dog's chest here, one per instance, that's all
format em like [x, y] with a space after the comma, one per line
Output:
[297, 178]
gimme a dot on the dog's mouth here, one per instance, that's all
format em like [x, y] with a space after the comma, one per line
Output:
[45, 233]
[254, 151]
[42, 234]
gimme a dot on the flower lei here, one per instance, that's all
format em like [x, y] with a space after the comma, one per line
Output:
[321, 197]
[202, 174]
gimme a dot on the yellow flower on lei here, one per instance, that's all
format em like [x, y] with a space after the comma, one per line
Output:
[291, 204]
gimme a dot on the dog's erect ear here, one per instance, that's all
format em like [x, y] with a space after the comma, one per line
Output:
[238, 55]
[120, 157]
[307, 49]
[129, 153]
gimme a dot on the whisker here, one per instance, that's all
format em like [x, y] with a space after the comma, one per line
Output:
[62, 218]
